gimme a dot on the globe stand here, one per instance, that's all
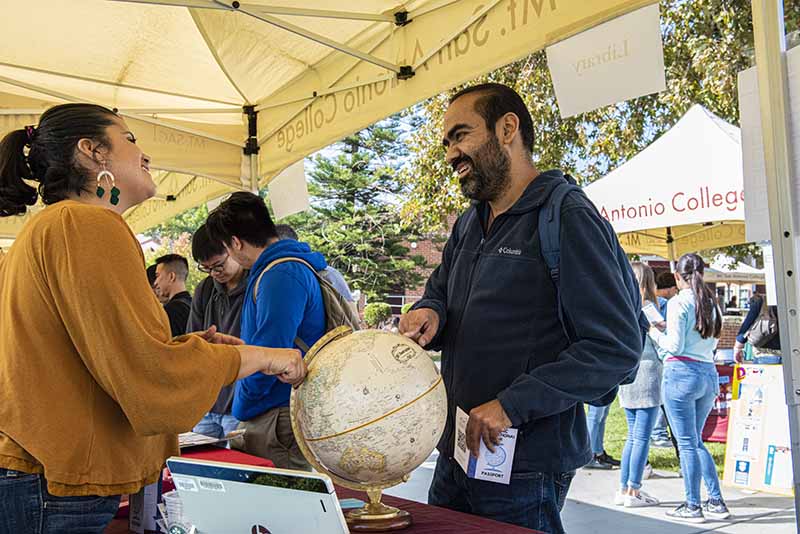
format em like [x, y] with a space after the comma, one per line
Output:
[376, 516]
[373, 516]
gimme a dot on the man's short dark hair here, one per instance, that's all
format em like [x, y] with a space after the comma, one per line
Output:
[665, 280]
[176, 264]
[495, 100]
[285, 232]
[151, 274]
[204, 247]
[243, 215]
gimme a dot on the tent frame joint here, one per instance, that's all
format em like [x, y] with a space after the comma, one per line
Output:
[401, 18]
[406, 72]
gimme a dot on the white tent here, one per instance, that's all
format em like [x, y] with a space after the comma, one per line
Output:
[234, 92]
[683, 193]
[725, 270]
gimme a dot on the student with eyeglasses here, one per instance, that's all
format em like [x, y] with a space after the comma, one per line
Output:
[217, 301]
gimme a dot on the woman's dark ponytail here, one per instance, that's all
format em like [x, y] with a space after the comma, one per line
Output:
[51, 158]
[708, 316]
[15, 194]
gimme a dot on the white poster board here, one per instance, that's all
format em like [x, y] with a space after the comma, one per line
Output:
[758, 454]
[288, 192]
[612, 62]
[755, 179]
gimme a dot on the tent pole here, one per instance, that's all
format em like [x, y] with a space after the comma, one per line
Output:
[671, 249]
[251, 147]
[770, 47]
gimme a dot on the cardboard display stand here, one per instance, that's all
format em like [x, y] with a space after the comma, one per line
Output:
[758, 455]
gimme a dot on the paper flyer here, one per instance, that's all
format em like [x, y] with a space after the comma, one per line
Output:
[491, 466]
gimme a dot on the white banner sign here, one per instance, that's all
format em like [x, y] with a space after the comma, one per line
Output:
[616, 61]
[288, 192]
[755, 179]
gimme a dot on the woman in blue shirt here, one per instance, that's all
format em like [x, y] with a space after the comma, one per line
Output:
[691, 384]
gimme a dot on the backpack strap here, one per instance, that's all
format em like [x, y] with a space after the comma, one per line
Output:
[302, 345]
[550, 239]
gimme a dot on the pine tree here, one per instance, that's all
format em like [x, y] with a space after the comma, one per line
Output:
[355, 211]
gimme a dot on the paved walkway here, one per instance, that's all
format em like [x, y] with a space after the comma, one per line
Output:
[590, 509]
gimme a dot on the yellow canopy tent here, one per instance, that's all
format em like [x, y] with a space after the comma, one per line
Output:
[659, 207]
[230, 93]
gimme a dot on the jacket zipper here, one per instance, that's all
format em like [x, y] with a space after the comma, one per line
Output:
[478, 256]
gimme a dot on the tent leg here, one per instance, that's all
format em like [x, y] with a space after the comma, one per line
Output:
[251, 148]
[770, 46]
[671, 249]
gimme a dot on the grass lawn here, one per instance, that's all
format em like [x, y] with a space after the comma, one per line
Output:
[661, 459]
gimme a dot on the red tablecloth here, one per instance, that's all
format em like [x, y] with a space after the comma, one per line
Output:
[716, 426]
[426, 519]
[429, 519]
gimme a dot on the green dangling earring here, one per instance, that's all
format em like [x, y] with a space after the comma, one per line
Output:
[114, 195]
[105, 174]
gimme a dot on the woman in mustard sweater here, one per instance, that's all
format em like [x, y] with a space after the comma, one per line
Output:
[93, 389]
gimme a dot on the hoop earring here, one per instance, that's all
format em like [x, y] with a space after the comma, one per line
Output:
[106, 174]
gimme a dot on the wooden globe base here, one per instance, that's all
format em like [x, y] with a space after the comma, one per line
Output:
[362, 520]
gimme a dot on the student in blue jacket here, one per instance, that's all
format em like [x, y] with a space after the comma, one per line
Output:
[491, 308]
[287, 311]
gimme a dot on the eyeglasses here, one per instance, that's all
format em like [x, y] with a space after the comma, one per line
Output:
[216, 268]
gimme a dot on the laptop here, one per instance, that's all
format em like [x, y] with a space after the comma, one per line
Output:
[223, 498]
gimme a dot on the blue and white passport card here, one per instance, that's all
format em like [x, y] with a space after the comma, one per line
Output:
[492, 466]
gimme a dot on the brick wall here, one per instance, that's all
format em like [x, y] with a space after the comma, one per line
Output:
[431, 250]
[730, 327]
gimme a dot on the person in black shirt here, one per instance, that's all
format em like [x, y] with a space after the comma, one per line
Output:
[171, 273]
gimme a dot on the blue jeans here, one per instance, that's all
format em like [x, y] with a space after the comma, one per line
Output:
[26, 507]
[660, 428]
[689, 390]
[531, 500]
[596, 422]
[637, 446]
[216, 425]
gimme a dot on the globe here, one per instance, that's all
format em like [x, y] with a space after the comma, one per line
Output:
[370, 411]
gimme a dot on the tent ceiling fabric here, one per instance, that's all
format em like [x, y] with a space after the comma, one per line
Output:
[181, 73]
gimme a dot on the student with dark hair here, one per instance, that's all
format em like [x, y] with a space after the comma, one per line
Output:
[329, 273]
[217, 302]
[85, 350]
[492, 307]
[283, 307]
[151, 279]
[690, 385]
[171, 273]
[665, 290]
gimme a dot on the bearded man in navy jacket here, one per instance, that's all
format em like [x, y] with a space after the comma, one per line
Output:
[491, 308]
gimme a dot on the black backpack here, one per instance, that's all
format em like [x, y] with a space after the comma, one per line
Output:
[550, 242]
[765, 327]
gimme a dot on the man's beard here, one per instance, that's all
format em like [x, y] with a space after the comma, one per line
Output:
[489, 175]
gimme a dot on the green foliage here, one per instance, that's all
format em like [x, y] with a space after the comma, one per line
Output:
[184, 223]
[376, 312]
[406, 307]
[706, 43]
[295, 483]
[355, 216]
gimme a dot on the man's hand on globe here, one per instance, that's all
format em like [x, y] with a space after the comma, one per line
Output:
[486, 422]
[287, 365]
[420, 325]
